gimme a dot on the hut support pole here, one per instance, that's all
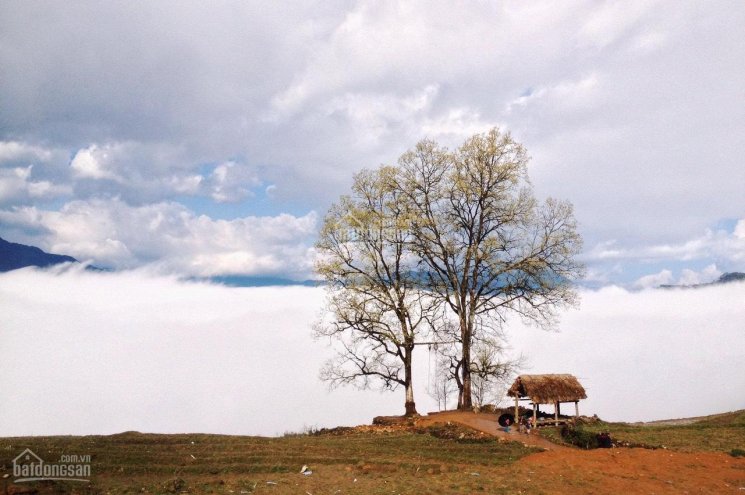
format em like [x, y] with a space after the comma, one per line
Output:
[576, 409]
[556, 413]
[516, 411]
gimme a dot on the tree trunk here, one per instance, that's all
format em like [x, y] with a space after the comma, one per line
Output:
[466, 402]
[410, 405]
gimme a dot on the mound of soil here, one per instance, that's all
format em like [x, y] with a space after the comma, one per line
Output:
[395, 420]
[453, 431]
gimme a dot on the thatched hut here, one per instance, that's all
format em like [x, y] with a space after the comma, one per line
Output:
[547, 389]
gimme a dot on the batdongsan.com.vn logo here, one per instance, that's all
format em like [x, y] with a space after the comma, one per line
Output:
[28, 466]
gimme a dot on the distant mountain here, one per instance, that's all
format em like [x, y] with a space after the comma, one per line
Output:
[14, 256]
[724, 279]
[257, 281]
[730, 277]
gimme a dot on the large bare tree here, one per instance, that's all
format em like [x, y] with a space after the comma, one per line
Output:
[375, 309]
[486, 246]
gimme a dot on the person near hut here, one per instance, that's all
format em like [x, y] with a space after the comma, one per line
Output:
[522, 425]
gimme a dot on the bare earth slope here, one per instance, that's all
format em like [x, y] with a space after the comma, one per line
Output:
[487, 424]
[563, 470]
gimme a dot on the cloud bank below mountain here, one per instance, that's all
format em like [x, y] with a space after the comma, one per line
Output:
[91, 353]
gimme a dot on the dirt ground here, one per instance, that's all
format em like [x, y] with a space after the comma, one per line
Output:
[390, 457]
[562, 470]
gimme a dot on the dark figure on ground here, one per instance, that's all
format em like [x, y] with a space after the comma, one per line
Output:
[604, 440]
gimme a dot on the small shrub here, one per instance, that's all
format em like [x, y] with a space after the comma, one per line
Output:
[306, 431]
[174, 485]
[737, 453]
[580, 437]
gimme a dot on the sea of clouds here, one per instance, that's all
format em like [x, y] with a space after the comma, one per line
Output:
[98, 353]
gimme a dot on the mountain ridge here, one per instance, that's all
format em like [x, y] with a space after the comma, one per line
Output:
[725, 278]
[14, 256]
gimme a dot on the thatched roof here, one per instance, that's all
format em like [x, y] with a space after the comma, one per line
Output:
[547, 389]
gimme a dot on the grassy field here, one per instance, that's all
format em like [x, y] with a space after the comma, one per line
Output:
[445, 459]
[354, 462]
[720, 433]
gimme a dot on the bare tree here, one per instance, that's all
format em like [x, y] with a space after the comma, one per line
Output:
[491, 372]
[486, 246]
[491, 369]
[441, 383]
[376, 310]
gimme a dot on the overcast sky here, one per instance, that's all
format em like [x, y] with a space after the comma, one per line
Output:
[209, 138]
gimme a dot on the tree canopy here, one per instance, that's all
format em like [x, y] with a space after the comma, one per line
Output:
[446, 235]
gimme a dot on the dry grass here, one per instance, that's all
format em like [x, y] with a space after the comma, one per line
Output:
[366, 462]
[719, 433]
[386, 460]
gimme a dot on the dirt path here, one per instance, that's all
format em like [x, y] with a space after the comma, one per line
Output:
[488, 424]
[563, 470]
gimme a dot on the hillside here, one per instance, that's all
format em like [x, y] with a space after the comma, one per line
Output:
[431, 455]
[14, 256]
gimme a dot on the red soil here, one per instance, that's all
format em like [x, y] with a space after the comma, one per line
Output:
[562, 470]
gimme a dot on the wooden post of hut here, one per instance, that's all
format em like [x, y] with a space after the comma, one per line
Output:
[547, 389]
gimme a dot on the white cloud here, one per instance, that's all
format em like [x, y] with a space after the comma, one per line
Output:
[16, 185]
[739, 231]
[135, 352]
[94, 162]
[691, 277]
[649, 42]
[17, 150]
[726, 246]
[630, 111]
[455, 126]
[375, 116]
[189, 184]
[687, 276]
[566, 95]
[655, 280]
[171, 237]
[144, 172]
[216, 353]
[231, 182]
[610, 22]
[684, 348]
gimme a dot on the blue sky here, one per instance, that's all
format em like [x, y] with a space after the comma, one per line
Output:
[210, 139]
